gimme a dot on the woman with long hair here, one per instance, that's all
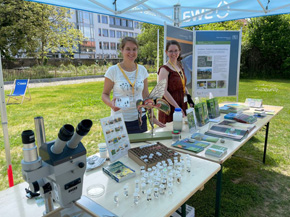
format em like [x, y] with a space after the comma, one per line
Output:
[128, 80]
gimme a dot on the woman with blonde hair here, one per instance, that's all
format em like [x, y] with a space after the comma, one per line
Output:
[128, 80]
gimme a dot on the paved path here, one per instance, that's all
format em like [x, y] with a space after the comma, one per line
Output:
[55, 83]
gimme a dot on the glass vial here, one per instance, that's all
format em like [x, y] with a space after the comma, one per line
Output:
[116, 198]
[156, 192]
[149, 196]
[126, 191]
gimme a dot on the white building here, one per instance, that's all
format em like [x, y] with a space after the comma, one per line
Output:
[103, 34]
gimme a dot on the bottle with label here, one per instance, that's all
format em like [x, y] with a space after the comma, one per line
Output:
[177, 119]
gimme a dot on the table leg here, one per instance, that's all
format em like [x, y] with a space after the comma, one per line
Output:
[218, 192]
[266, 140]
[183, 210]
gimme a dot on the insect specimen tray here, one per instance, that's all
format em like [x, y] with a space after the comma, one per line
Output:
[141, 137]
[149, 155]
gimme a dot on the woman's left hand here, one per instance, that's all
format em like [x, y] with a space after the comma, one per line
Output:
[158, 123]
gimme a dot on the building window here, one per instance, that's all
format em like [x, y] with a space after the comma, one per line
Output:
[113, 56]
[112, 20]
[99, 18]
[119, 34]
[104, 19]
[118, 46]
[124, 23]
[100, 45]
[106, 45]
[136, 34]
[125, 34]
[136, 24]
[118, 22]
[100, 32]
[105, 33]
[113, 46]
[131, 34]
[130, 23]
[112, 33]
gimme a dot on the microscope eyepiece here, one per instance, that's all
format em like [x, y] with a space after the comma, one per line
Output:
[66, 132]
[30, 161]
[28, 137]
[64, 135]
[84, 127]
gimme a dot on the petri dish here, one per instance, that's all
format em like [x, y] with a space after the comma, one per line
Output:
[96, 190]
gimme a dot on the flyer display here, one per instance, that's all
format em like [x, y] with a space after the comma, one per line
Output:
[116, 136]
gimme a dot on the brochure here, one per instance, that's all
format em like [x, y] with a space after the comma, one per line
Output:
[213, 108]
[119, 171]
[216, 151]
[116, 136]
[201, 114]
[191, 145]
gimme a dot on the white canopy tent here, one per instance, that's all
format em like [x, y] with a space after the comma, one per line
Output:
[180, 13]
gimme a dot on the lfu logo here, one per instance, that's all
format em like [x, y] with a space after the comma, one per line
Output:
[207, 13]
[21, 83]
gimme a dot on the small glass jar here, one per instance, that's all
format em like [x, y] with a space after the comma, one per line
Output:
[175, 136]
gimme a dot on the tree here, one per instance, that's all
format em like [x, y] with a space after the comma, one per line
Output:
[267, 51]
[148, 43]
[36, 29]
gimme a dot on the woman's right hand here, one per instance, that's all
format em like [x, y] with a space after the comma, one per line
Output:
[114, 107]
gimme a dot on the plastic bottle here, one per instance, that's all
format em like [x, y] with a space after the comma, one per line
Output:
[177, 119]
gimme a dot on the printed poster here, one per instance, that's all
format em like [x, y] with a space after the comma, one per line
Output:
[212, 64]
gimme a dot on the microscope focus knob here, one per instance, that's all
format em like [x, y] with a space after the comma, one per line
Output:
[81, 165]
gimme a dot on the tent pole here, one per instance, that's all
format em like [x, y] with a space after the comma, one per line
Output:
[177, 15]
[5, 127]
[157, 65]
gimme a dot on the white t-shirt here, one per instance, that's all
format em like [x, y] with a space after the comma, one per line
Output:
[122, 88]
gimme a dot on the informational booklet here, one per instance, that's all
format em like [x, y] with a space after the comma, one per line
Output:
[233, 108]
[116, 136]
[119, 171]
[237, 125]
[200, 136]
[216, 151]
[213, 108]
[191, 120]
[191, 145]
[226, 132]
[201, 114]
[256, 103]
[244, 118]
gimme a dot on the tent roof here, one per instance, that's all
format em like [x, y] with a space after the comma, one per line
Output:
[191, 12]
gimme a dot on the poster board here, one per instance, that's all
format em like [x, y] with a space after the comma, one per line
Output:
[217, 63]
[212, 64]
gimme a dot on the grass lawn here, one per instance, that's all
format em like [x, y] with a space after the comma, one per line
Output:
[249, 188]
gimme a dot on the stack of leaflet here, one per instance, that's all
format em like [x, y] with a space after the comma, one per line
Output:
[247, 119]
[227, 132]
[216, 151]
[233, 108]
[237, 125]
[230, 116]
[191, 145]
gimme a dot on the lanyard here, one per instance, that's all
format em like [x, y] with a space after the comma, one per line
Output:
[124, 74]
[181, 75]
